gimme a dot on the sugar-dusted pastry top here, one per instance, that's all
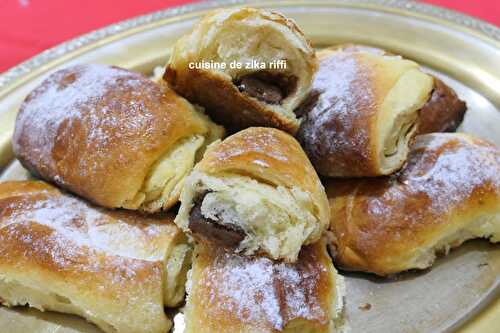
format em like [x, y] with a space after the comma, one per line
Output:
[99, 131]
[448, 192]
[233, 293]
[443, 112]
[95, 259]
[362, 112]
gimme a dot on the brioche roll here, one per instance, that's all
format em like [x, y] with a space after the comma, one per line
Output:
[233, 293]
[111, 136]
[117, 269]
[362, 112]
[255, 191]
[245, 96]
[448, 192]
[444, 111]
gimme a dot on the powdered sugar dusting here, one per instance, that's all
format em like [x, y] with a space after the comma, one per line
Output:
[72, 229]
[58, 99]
[344, 99]
[47, 240]
[443, 172]
[264, 294]
[82, 110]
[448, 169]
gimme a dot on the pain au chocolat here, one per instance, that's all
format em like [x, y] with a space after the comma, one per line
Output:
[245, 96]
[362, 112]
[365, 107]
[443, 111]
[230, 293]
[111, 136]
[117, 269]
[448, 192]
[255, 192]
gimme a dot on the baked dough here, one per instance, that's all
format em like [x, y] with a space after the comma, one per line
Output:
[444, 111]
[448, 192]
[362, 112]
[232, 293]
[255, 191]
[246, 96]
[111, 136]
[117, 269]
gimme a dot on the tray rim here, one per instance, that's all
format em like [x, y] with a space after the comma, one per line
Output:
[38, 64]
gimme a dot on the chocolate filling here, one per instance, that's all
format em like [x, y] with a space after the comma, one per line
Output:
[443, 112]
[308, 104]
[227, 235]
[268, 87]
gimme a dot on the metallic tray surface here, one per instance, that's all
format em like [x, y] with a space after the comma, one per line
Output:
[463, 51]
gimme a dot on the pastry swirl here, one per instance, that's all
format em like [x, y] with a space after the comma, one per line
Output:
[362, 113]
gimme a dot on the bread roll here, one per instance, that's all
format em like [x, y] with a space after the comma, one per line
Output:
[111, 136]
[117, 269]
[232, 293]
[249, 95]
[362, 112]
[443, 111]
[448, 192]
[254, 192]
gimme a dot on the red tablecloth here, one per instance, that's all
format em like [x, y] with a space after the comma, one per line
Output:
[28, 27]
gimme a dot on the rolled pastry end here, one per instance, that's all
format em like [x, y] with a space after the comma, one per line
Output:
[268, 68]
[399, 118]
[176, 267]
[247, 215]
[362, 113]
[485, 227]
[163, 184]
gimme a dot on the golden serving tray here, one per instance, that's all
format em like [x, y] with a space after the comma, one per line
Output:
[465, 52]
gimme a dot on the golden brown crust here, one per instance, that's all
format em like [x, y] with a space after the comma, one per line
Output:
[443, 112]
[391, 224]
[233, 293]
[97, 130]
[215, 90]
[221, 98]
[270, 155]
[255, 192]
[339, 130]
[98, 260]
[263, 153]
